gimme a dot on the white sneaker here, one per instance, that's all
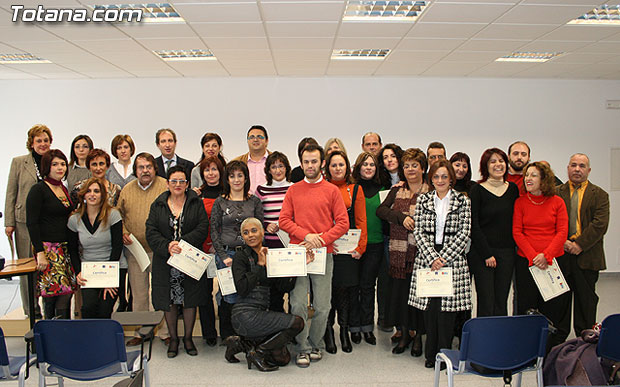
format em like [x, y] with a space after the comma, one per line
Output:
[316, 355]
[302, 360]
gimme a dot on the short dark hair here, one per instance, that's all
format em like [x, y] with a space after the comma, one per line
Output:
[231, 167]
[177, 168]
[148, 157]
[118, 140]
[312, 148]
[204, 164]
[356, 174]
[258, 127]
[371, 134]
[484, 163]
[160, 131]
[547, 178]
[436, 145]
[412, 154]
[438, 164]
[347, 173]
[302, 144]
[519, 142]
[94, 153]
[272, 158]
[72, 155]
[46, 161]
[461, 156]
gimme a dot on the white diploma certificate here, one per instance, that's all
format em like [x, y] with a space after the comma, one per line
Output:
[550, 282]
[212, 268]
[289, 262]
[348, 242]
[434, 283]
[190, 261]
[284, 237]
[226, 281]
[138, 252]
[383, 194]
[320, 260]
[100, 274]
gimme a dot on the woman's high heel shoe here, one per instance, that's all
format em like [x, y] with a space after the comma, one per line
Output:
[404, 342]
[233, 346]
[190, 348]
[258, 359]
[173, 348]
[416, 347]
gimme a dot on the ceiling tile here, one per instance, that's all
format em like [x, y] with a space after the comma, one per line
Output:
[229, 30]
[108, 74]
[146, 30]
[96, 46]
[492, 45]
[429, 44]
[352, 68]
[402, 68]
[582, 58]
[242, 55]
[301, 29]
[543, 14]
[416, 56]
[173, 44]
[580, 33]
[613, 38]
[464, 13]
[292, 55]
[593, 71]
[500, 69]
[65, 75]
[253, 67]
[220, 12]
[5, 49]
[42, 48]
[302, 11]
[514, 31]
[236, 43]
[17, 75]
[473, 56]
[85, 31]
[591, 3]
[452, 69]
[378, 30]
[201, 68]
[445, 30]
[357, 43]
[549, 46]
[602, 47]
[25, 33]
[614, 59]
[547, 70]
[168, 72]
[300, 43]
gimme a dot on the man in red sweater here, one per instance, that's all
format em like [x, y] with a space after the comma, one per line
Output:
[314, 215]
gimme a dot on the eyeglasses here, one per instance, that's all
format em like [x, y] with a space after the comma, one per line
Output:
[259, 136]
[177, 182]
[145, 167]
[277, 166]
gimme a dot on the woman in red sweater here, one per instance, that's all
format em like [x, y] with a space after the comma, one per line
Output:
[345, 281]
[540, 228]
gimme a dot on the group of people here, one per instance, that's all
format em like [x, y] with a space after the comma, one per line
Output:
[415, 211]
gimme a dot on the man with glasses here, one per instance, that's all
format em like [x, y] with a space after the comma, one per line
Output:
[134, 204]
[257, 156]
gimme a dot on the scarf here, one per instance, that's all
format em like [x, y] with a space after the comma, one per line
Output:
[370, 187]
[402, 245]
[59, 183]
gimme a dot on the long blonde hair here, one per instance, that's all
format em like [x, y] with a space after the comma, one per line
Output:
[106, 208]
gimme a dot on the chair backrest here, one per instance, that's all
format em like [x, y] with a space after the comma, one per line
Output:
[504, 343]
[79, 345]
[609, 339]
[4, 354]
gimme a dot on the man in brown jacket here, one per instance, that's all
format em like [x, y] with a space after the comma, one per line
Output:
[588, 218]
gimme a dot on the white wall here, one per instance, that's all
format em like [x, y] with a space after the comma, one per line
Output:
[557, 118]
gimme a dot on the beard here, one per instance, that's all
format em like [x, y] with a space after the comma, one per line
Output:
[312, 175]
[515, 167]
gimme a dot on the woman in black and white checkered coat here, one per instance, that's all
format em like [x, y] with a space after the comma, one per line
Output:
[442, 227]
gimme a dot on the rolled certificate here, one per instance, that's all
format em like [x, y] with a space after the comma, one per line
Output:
[289, 262]
[138, 252]
[100, 274]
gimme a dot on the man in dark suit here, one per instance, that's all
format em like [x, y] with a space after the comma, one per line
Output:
[588, 218]
[166, 141]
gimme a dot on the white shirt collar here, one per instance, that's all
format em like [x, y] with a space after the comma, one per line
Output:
[147, 187]
[316, 182]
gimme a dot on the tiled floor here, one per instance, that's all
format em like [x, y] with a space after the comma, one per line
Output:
[366, 366]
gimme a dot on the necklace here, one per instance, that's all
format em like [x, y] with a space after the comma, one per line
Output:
[535, 203]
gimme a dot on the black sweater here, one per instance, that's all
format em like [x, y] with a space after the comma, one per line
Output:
[46, 216]
[491, 219]
[248, 274]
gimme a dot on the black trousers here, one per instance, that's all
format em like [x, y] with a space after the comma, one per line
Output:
[383, 281]
[94, 306]
[362, 306]
[207, 314]
[557, 310]
[439, 328]
[225, 312]
[493, 284]
[342, 298]
[585, 300]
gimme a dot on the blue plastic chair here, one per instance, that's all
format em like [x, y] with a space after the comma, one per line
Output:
[609, 339]
[84, 350]
[12, 367]
[515, 344]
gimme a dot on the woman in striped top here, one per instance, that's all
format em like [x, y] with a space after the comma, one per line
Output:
[278, 173]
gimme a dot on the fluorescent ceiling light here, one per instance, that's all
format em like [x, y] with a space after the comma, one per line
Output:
[361, 54]
[603, 15]
[366, 10]
[528, 57]
[21, 59]
[185, 55]
[151, 12]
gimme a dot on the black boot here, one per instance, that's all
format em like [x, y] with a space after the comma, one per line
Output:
[356, 337]
[416, 348]
[234, 345]
[330, 340]
[258, 359]
[345, 341]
